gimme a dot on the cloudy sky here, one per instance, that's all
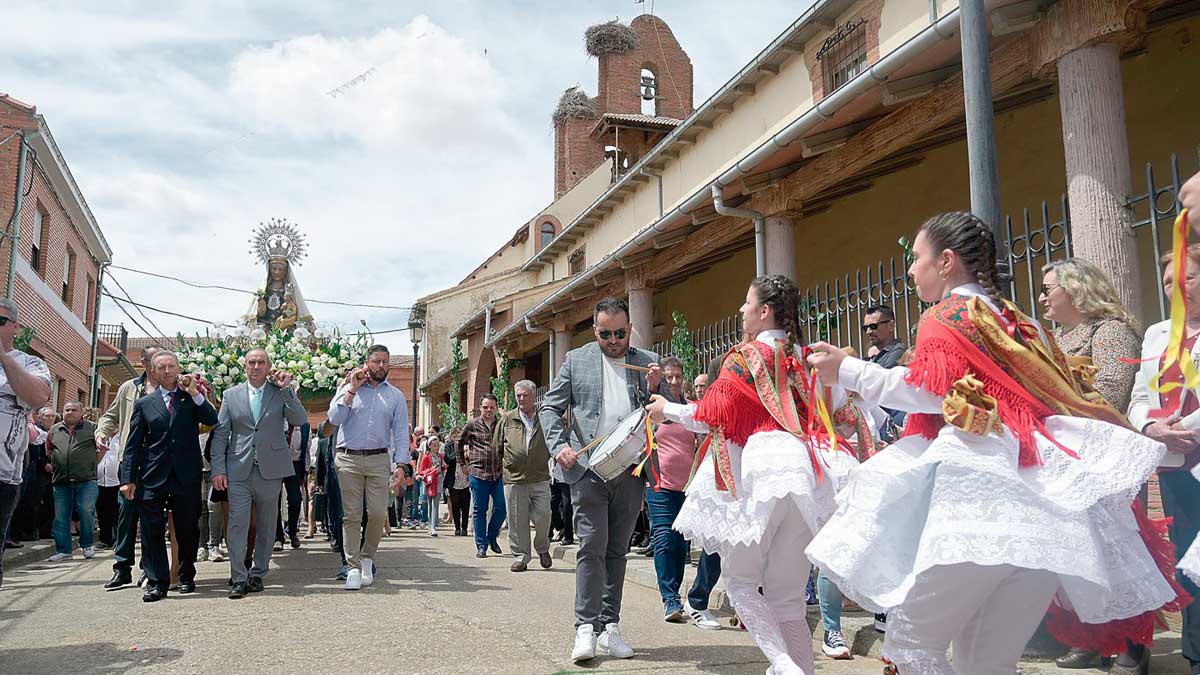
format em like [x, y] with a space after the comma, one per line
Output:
[187, 123]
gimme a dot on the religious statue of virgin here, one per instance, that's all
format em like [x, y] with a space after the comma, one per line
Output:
[279, 305]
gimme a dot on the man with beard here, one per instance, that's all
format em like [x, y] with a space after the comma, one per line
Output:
[371, 416]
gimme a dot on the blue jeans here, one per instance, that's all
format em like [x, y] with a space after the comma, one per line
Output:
[81, 498]
[830, 598]
[670, 553]
[481, 492]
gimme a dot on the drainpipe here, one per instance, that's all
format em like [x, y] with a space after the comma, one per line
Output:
[760, 227]
[14, 224]
[96, 335]
[534, 329]
[646, 172]
[933, 11]
[487, 321]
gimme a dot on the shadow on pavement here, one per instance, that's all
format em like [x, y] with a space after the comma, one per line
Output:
[84, 658]
[705, 659]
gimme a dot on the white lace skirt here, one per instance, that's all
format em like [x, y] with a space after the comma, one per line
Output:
[774, 465]
[963, 499]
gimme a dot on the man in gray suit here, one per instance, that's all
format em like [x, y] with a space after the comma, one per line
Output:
[250, 458]
[598, 392]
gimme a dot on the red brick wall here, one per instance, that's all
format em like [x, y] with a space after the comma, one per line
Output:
[68, 353]
[576, 154]
[658, 51]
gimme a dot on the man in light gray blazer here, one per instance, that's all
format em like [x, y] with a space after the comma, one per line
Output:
[598, 392]
[250, 458]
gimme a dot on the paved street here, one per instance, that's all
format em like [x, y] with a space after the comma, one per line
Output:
[434, 608]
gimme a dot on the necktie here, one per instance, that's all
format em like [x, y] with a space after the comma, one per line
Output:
[256, 404]
[171, 404]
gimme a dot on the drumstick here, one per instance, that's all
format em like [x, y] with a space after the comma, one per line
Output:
[640, 369]
[596, 441]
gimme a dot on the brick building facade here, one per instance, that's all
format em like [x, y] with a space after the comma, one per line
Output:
[60, 251]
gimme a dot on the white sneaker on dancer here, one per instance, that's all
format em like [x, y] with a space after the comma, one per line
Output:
[612, 642]
[585, 643]
[353, 580]
[368, 571]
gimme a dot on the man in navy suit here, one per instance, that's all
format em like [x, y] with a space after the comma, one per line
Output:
[161, 469]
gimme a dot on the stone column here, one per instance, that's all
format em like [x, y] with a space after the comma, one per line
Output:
[780, 244]
[1097, 160]
[563, 332]
[641, 308]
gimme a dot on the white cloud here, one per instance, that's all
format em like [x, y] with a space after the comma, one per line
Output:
[187, 123]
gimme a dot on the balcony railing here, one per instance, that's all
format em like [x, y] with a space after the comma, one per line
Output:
[114, 334]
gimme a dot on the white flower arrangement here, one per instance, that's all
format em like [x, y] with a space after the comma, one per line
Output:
[319, 362]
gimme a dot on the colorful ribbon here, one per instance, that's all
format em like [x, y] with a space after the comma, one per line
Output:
[1179, 301]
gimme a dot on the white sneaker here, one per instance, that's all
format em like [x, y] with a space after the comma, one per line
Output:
[612, 642]
[585, 643]
[353, 580]
[702, 617]
[368, 572]
[59, 557]
[216, 556]
[834, 645]
[89, 553]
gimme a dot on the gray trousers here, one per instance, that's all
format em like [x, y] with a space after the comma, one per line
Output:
[605, 515]
[262, 495]
[528, 502]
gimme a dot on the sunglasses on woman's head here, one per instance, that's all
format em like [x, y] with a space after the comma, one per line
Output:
[619, 333]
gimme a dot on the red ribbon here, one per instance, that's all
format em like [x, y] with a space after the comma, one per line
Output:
[1014, 326]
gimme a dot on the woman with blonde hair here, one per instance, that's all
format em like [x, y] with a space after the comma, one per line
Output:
[1094, 324]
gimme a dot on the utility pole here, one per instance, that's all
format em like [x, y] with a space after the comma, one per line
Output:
[981, 128]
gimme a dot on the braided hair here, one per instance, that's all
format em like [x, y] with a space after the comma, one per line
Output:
[783, 297]
[972, 240]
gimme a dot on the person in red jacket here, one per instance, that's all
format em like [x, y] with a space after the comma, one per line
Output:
[429, 471]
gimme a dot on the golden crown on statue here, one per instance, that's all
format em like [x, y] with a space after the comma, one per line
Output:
[277, 239]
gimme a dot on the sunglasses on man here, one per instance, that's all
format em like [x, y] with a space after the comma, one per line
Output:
[4, 320]
[619, 333]
[868, 327]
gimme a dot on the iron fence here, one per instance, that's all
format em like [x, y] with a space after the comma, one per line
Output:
[834, 310]
[114, 334]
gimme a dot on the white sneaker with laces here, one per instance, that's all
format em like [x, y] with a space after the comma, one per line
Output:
[585, 643]
[701, 617]
[834, 645]
[89, 553]
[612, 642]
[217, 556]
[353, 580]
[368, 572]
[59, 557]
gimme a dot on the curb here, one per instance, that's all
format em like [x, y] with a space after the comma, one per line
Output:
[33, 551]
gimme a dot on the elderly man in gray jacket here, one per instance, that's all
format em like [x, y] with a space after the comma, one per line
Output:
[250, 458]
[598, 389]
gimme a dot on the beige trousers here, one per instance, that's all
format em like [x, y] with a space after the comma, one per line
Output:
[360, 477]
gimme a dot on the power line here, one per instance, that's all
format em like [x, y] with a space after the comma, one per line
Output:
[193, 318]
[248, 292]
[117, 302]
[130, 299]
[154, 309]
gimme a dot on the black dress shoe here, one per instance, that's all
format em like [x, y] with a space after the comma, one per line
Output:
[154, 594]
[1076, 659]
[13, 544]
[568, 541]
[186, 587]
[118, 580]
[255, 585]
[496, 548]
[295, 541]
[142, 580]
[482, 552]
[238, 591]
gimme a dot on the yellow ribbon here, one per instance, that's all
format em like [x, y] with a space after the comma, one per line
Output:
[1175, 352]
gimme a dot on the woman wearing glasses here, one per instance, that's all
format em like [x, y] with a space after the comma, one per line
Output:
[1093, 324]
[769, 483]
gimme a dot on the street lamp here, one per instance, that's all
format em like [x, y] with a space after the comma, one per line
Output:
[416, 331]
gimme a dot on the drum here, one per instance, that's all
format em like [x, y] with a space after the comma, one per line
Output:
[622, 448]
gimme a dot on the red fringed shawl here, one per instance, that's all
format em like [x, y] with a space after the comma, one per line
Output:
[1030, 379]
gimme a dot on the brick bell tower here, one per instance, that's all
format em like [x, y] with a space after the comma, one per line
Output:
[644, 90]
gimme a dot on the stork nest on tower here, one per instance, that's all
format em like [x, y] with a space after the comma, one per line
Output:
[611, 37]
[574, 105]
